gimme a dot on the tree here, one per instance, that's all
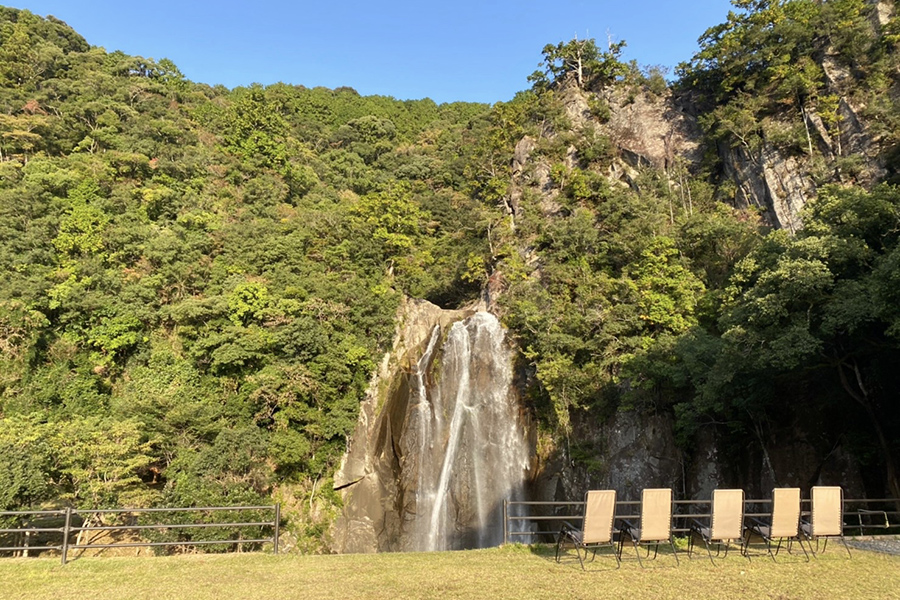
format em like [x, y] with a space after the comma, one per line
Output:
[819, 303]
[581, 60]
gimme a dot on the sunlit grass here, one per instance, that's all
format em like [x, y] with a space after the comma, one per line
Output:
[510, 572]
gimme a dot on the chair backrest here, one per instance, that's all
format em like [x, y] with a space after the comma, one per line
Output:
[727, 515]
[656, 514]
[827, 509]
[599, 513]
[785, 512]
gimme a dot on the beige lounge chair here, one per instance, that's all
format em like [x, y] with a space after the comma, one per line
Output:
[726, 524]
[597, 526]
[656, 522]
[826, 517]
[785, 521]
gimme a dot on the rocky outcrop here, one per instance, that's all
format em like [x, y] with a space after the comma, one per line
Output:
[442, 439]
[416, 320]
[367, 478]
[651, 130]
[630, 451]
[882, 12]
[771, 181]
[627, 452]
[659, 132]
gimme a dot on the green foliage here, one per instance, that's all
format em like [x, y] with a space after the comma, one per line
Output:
[760, 77]
[198, 282]
[81, 229]
[580, 60]
[25, 463]
[814, 308]
[667, 291]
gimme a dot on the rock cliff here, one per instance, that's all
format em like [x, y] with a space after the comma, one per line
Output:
[442, 439]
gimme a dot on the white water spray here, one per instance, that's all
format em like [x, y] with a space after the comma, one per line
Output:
[470, 447]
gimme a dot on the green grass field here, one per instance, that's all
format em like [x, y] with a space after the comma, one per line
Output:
[509, 572]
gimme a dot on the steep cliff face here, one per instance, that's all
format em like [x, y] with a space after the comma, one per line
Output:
[369, 472]
[776, 184]
[661, 132]
[650, 130]
[442, 439]
[629, 451]
[646, 131]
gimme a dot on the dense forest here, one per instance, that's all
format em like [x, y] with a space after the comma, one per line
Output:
[197, 283]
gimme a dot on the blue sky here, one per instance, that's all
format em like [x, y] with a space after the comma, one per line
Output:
[472, 50]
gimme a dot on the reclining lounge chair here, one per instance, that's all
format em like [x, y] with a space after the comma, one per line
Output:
[784, 524]
[656, 522]
[726, 524]
[597, 527]
[826, 517]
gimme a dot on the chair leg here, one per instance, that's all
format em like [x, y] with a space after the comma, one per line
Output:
[708, 551]
[846, 546]
[579, 556]
[675, 552]
[561, 539]
[815, 552]
[769, 548]
[638, 552]
[805, 553]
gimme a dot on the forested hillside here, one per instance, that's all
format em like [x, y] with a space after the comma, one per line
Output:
[197, 283]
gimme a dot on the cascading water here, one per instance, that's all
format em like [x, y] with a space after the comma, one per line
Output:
[464, 443]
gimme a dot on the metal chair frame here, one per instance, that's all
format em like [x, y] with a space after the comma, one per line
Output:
[766, 531]
[706, 533]
[577, 536]
[807, 527]
[636, 533]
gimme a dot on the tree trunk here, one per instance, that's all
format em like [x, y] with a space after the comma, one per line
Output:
[806, 125]
[78, 538]
[767, 461]
[861, 395]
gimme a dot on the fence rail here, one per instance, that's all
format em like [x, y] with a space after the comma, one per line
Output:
[880, 520]
[69, 515]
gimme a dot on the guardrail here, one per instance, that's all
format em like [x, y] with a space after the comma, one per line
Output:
[876, 516]
[133, 518]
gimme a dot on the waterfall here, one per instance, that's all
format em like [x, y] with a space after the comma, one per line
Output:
[465, 440]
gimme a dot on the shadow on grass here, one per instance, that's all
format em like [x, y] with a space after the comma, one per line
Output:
[788, 552]
[604, 560]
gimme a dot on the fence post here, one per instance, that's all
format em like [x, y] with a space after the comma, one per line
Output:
[65, 541]
[505, 521]
[277, 524]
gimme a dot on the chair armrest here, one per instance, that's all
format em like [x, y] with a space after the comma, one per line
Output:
[627, 525]
[755, 524]
[566, 526]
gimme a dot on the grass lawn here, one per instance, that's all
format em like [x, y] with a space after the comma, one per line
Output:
[509, 572]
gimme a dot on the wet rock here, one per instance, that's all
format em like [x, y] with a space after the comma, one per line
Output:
[442, 439]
